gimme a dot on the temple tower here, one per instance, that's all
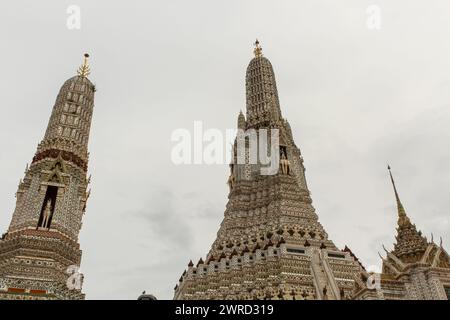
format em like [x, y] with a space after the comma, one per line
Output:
[40, 254]
[416, 269]
[270, 244]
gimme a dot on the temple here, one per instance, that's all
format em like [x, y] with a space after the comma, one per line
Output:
[40, 254]
[416, 269]
[270, 244]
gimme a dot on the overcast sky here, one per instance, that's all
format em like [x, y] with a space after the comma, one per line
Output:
[356, 99]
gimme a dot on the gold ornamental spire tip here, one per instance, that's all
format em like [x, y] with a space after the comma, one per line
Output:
[258, 50]
[84, 70]
[402, 217]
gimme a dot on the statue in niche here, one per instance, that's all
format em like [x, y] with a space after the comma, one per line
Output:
[231, 181]
[47, 214]
[285, 164]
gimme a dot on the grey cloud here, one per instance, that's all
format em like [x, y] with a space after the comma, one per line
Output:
[164, 222]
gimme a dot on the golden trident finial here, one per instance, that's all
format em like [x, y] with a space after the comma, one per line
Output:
[258, 49]
[84, 69]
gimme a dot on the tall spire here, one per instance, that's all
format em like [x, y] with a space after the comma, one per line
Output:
[50, 203]
[269, 220]
[409, 239]
[84, 70]
[402, 217]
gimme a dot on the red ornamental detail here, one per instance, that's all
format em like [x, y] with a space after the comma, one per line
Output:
[65, 155]
[36, 291]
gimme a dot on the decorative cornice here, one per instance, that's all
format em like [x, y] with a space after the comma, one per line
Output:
[65, 155]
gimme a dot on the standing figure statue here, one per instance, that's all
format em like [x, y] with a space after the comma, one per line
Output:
[231, 180]
[285, 164]
[47, 215]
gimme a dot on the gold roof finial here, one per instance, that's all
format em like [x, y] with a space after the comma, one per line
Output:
[258, 50]
[84, 70]
[402, 217]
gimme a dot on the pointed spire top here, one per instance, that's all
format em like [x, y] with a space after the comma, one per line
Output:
[258, 50]
[84, 70]
[402, 217]
[241, 121]
[410, 242]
